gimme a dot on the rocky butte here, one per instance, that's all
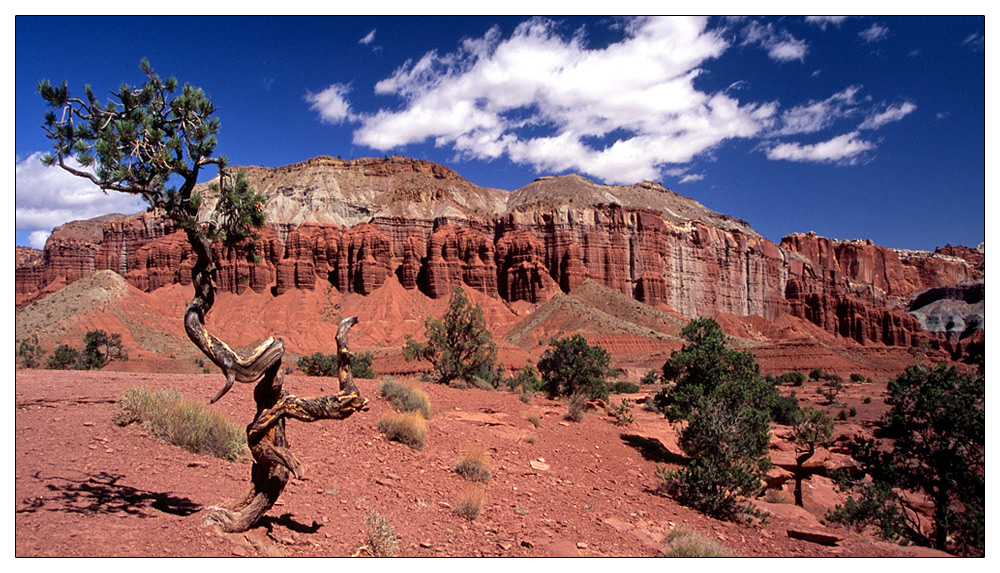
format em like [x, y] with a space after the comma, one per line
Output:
[355, 224]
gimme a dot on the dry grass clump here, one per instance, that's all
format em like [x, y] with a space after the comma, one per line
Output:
[473, 464]
[381, 537]
[191, 425]
[406, 399]
[684, 543]
[777, 496]
[534, 419]
[531, 438]
[576, 408]
[409, 428]
[470, 503]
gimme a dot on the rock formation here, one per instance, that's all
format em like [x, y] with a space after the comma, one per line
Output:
[352, 224]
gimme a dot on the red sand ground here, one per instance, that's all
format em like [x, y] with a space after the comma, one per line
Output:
[85, 487]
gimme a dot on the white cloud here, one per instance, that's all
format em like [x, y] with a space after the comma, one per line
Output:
[692, 177]
[891, 114]
[976, 41]
[36, 239]
[331, 104]
[46, 197]
[490, 98]
[824, 21]
[874, 33]
[781, 46]
[844, 149]
[368, 39]
[815, 116]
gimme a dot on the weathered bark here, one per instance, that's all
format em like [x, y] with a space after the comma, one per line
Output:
[274, 464]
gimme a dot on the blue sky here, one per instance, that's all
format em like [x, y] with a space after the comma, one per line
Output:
[867, 127]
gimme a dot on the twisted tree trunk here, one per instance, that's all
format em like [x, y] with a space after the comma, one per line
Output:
[274, 462]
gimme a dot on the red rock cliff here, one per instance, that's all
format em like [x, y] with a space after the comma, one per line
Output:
[352, 223]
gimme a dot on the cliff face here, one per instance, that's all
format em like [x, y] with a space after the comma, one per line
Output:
[354, 223]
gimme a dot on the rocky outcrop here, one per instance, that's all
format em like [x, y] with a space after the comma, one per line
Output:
[351, 224]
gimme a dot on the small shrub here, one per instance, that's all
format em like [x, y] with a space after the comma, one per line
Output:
[381, 537]
[684, 543]
[100, 348]
[409, 428]
[852, 412]
[792, 378]
[535, 420]
[577, 405]
[63, 357]
[406, 399]
[191, 425]
[622, 413]
[481, 383]
[318, 364]
[361, 366]
[842, 415]
[817, 374]
[524, 397]
[831, 388]
[527, 379]
[470, 503]
[867, 400]
[623, 387]
[857, 378]
[473, 464]
[458, 384]
[30, 352]
[651, 378]
[531, 438]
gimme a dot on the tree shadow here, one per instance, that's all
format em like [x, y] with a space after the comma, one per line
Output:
[102, 494]
[653, 450]
[286, 521]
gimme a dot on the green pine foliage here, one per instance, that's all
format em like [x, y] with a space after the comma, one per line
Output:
[570, 366]
[318, 364]
[64, 357]
[361, 365]
[727, 405]
[30, 352]
[458, 345]
[100, 348]
[935, 445]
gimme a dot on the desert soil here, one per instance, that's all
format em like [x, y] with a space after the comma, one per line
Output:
[86, 487]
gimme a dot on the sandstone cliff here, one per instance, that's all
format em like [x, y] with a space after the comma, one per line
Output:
[354, 224]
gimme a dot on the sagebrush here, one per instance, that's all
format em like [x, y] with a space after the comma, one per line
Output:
[185, 423]
[408, 428]
[406, 399]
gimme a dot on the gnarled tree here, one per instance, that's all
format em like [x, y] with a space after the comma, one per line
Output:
[142, 140]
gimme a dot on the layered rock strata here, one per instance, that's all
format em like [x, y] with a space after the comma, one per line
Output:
[353, 223]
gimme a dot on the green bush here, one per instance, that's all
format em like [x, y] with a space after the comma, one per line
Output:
[726, 403]
[817, 374]
[858, 378]
[651, 378]
[64, 357]
[936, 424]
[527, 379]
[792, 378]
[30, 352]
[570, 366]
[459, 345]
[623, 387]
[406, 399]
[361, 365]
[191, 425]
[318, 364]
[100, 348]
[622, 413]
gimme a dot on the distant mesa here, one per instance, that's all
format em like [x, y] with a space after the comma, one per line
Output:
[355, 225]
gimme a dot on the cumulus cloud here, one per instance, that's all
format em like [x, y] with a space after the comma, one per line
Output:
[891, 114]
[844, 149]
[46, 197]
[331, 104]
[874, 33]
[619, 113]
[781, 46]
